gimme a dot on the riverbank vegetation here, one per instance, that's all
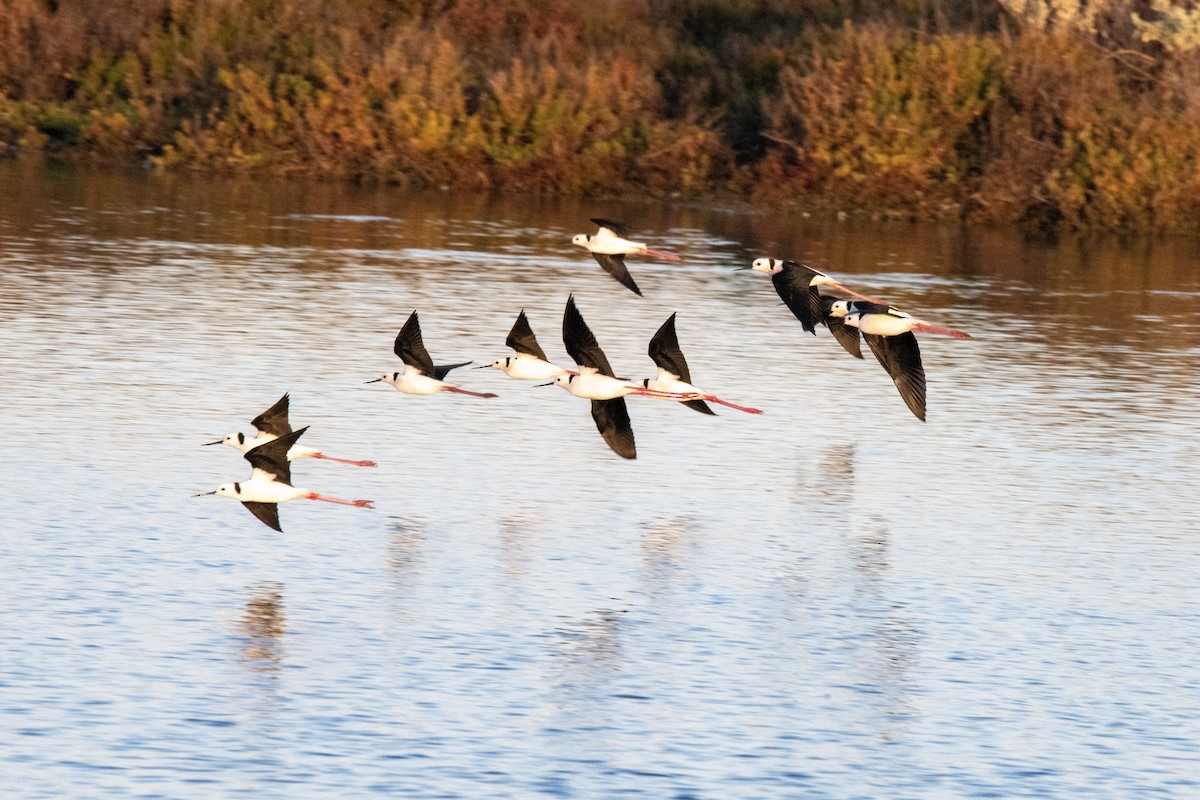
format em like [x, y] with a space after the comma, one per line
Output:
[1054, 112]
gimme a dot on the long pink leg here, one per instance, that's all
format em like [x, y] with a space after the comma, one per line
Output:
[346, 461]
[644, 392]
[340, 501]
[457, 390]
[747, 409]
[925, 327]
[660, 254]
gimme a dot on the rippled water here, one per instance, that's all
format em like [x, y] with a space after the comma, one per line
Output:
[830, 600]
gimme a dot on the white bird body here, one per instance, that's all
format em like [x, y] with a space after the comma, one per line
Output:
[592, 385]
[413, 381]
[525, 367]
[245, 444]
[895, 323]
[262, 488]
[607, 243]
[669, 382]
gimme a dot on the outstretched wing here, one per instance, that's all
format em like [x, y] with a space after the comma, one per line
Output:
[272, 456]
[846, 335]
[615, 266]
[612, 420]
[793, 284]
[410, 347]
[442, 370]
[901, 358]
[614, 227]
[275, 419]
[521, 338]
[266, 512]
[580, 343]
[664, 349]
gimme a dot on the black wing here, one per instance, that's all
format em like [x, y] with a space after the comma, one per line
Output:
[411, 349]
[615, 266]
[664, 349]
[699, 405]
[272, 456]
[619, 228]
[266, 512]
[901, 358]
[794, 287]
[580, 343]
[442, 370]
[275, 419]
[521, 338]
[612, 420]
[846, 335]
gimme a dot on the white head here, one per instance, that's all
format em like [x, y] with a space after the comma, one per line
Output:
[564, 380]
[502, 363]
[839, 308]
[852, 319]
[237, 440]
[767, 265]
[580, 239]
[388, 377]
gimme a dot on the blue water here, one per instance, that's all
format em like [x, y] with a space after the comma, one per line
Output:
[832, 600]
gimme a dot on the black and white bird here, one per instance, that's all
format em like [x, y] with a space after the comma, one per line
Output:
[420, 376]
[271, 482]
[889, 333]
[609, 247]
[530, 362]
[597, 382]
[674, 376]
[797, 284]
[270, 425]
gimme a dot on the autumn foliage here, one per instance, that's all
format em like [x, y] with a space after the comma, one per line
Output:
[912, 107]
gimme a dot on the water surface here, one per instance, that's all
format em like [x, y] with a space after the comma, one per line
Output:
[830, 600]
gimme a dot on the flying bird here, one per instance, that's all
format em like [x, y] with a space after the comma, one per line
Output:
[530, 362]
[609, 247]
[271, 482]
[797, 284]
[888, 332]
[597, 382]
[900, 357]
[270, 425]
[420, 376]
[673, 375]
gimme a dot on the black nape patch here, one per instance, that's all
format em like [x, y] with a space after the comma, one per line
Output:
[241, 438]
[237, 488]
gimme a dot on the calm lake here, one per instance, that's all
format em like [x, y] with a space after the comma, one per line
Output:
[831, 600]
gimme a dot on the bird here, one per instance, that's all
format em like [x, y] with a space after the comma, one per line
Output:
[900, 357]
[845, 335]
[270, 425]
[884, 320]
[797, 284]
[420, 376]
[530, 362]
[888, 331]
[597, 382]
[609, 247]
[673, 374]
[271, 482]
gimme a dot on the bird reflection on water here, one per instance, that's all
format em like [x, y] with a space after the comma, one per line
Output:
[262, 627]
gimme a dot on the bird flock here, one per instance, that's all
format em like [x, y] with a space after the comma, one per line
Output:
[888, 332]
